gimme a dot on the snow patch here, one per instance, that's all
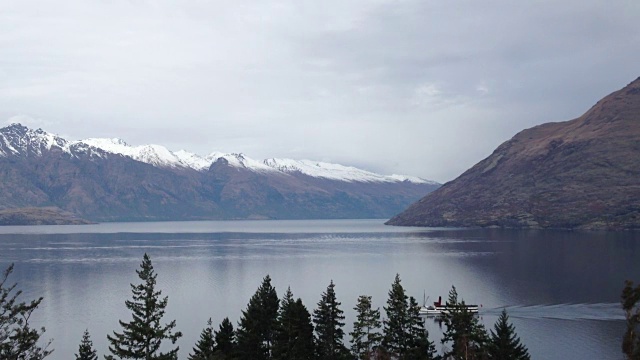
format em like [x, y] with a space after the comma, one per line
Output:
[336, 171]
[18, 139]
[413, 179]
[240, 161]
[156, 155]
[192, 160]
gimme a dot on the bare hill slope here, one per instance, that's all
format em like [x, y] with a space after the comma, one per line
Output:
[582, 173]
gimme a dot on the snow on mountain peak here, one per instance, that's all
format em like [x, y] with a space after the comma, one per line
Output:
[192, 160]
[113, 145]
[413, 179]
[17, 139]
[239, 160]
[335, 171]
[156, 155]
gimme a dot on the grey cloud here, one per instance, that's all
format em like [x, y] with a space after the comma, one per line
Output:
[424, 88]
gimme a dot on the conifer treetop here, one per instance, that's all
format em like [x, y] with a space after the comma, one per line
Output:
[205, 348]
[257, 326]
[504, 343]
[142, 337]
[86, 350]
[329, 320]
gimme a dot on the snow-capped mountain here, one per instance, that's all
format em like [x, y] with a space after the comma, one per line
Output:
[155, 155]
[109, 180]
[192, 160]
[17, 139]
[158, 155]
[336, 171]
[20, 140]
[240, 161]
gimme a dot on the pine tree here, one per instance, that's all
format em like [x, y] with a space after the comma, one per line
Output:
[365, 337]
[205, 347]
[86, 350]
[419, 347]
[466, 334]
[452, 300]
[225, 340]
[404, 334]
[397, 323]
[142, 337]
[328, 320]
[504, 343]
[283, 341]
[305, 346]
[257, 325]
[17, 339]
[294, 337]
[631, 307]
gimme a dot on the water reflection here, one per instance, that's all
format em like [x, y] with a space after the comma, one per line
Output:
[561, 288]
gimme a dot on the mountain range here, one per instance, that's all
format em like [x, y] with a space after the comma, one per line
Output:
[578, 174]
[109, 180]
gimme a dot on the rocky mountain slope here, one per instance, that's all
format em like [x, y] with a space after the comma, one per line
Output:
[583, 173]
[39, 216]
[108, 180]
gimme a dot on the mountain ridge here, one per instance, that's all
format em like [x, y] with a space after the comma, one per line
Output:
[159, 155]
[39, 169]
[577, 174]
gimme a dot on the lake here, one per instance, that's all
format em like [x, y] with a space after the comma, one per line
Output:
[560, 288]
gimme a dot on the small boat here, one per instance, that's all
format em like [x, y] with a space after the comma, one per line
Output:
[439, 309]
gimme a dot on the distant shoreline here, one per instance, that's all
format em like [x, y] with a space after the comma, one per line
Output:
[40, 216]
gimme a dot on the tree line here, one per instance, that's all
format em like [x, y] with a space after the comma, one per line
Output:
[273, 328]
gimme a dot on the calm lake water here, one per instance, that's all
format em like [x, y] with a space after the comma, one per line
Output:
[561, 288]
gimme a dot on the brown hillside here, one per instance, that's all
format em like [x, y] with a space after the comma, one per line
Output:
[583, 173]
[40, 216]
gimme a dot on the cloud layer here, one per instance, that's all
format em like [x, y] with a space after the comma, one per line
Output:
[417, 87]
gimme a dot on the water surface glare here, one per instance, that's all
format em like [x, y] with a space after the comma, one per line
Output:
[561, 288]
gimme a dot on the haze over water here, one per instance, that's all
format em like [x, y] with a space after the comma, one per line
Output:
[561, 288]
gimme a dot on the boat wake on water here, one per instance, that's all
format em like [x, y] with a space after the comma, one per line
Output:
[592, 311]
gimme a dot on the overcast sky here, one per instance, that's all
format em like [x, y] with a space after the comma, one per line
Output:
[414, 87]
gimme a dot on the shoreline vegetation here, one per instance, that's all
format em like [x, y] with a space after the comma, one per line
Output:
[34, 216]
[40, 216]
[283, 328]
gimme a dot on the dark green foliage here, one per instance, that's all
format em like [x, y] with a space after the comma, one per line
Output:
[404, 334]
[396, 325]
[468, 338]
[631, 307]
[294, 337]
[328, 320]
[142, 337]
[257, 326]
[419, 346]
[452, 300]
[86, 350]
[365, 337]
[205, 347]
[18, 341]
[504, 343]
[225, 339]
